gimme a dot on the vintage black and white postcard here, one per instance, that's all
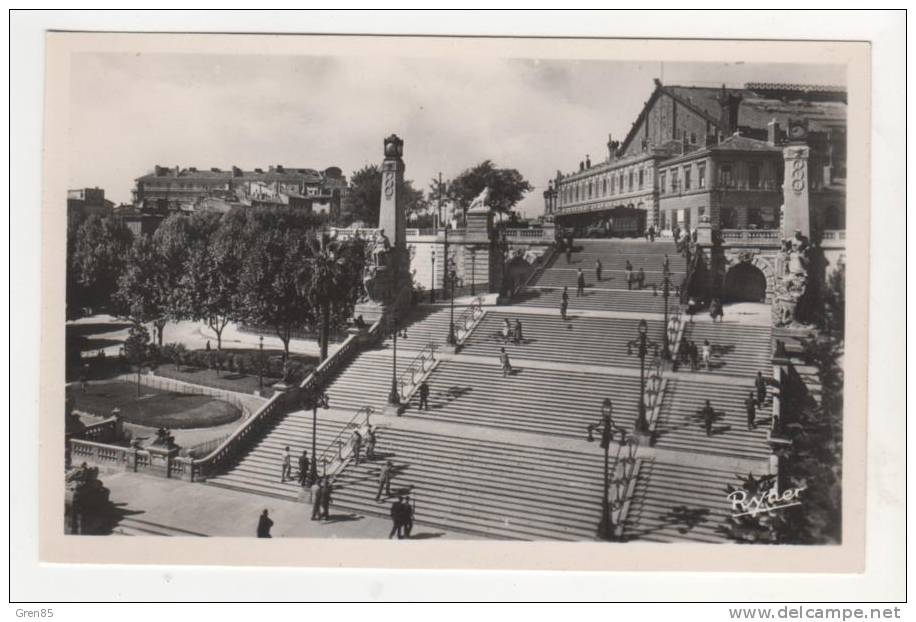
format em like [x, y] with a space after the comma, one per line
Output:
[455, 302]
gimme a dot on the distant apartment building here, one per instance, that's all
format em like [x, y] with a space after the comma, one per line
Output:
[695, 153]
[87, 202]
[186, 190]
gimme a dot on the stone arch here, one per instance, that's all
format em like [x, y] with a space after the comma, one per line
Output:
[755, 260]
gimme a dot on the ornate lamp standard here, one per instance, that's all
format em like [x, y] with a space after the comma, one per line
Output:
[312, 400]
[606, 428]
[667, 284]
[261, 363]
[452, 276]
[432, 277]
[642, 345]
[394, 397]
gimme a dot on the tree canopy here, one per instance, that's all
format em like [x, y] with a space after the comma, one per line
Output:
[365, 195]
[507, 186]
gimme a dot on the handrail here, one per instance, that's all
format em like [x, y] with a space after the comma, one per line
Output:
[465, 321]
[341, 460]
[407, 382]
[253, 425]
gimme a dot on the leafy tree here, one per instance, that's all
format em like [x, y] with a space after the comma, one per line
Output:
[136, 348]
[507, 186]
[365, 195]
[101, 247]
[143, 288]
[333, 282]
[175, 352]
[272, 292]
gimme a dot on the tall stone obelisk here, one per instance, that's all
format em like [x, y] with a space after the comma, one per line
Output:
[391, 217]
[797, 210]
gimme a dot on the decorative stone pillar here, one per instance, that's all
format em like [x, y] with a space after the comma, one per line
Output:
[160, 460]
[797, 211]
[392, 219]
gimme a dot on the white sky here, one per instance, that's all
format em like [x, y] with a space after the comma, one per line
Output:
[131, 112]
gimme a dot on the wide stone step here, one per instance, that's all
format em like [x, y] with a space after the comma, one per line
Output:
[610, 279]
[619, 300]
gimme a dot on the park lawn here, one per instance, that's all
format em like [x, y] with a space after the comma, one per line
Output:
[155, 408]
[231, 380]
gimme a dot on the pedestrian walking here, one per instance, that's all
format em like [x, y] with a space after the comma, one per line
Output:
[506, 330]
[707, 353]
[264, 525]
[287, 466]
[683, 351]
[424, 396]
[316, 499]
[208, 345]
[397, 518]
[760, 384]
[628, 276]
[598, 268]
[357, 443]
[751, 405]
[517, 336]
[667, 264]
[652, 233]
[371, 440]
[384, 480]
[568, 253]
[325, 494]
[715, 310]
[564, 304]
[580, 283]
[709, 417]
[641, 278]
[694, 356]
[504, 362]
[407, 516]
[303, 467]
[628, 266]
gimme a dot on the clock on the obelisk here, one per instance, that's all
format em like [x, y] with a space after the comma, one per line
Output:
[798, 130]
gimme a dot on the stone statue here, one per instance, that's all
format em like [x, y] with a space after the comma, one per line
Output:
[480, 201]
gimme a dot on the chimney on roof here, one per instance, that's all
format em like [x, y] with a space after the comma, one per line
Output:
[236, 171]
[773, 136]
[728, 116]
[215, 170]
[192, 169]
[588, 161]
[279, 168]
[581, 166]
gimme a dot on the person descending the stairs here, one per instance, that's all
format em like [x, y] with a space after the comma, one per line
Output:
[370, 442]
[504, 362]
[750, 404]
[715, 310]
[408, 516]
[666, 265]
[303, 467]
[286, 470]
[683, 351]
[357, 444]
[761, 385]
[580, 283]
[384, 480]
[694, 356]
[707, 353]
[325, 494]
[424, 396]
[709, 417]
[641, 278]
[517, 335]
[397, 518]
[628, 274]
[598, 270]
[506, 332]
[564, 302]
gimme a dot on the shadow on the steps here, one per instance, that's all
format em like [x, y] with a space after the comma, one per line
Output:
[426, 535]
[341, 518]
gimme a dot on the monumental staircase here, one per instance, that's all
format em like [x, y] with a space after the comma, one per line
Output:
[507, 456]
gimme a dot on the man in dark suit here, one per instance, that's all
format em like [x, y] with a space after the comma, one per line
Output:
[751, 405]
[580, 283]
[761, 385]
[303, 467]
[325, 495]
[397, 518]
[407, 516]
[264, 525]
[424, 396]
[709, 417]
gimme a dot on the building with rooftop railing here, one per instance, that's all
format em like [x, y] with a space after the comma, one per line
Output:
[697, 153]
[191, 189]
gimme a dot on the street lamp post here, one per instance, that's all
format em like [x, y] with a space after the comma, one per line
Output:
[261, 364]
[394, 397]
[473, 271]
[432, 277]
[642, 345]
[606, 428]
[666, 292]
[452, 277]
[314, 399]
